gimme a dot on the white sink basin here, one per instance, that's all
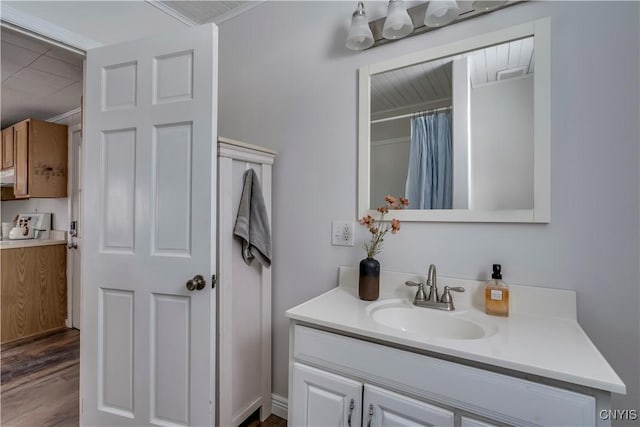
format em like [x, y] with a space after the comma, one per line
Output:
[427, 322]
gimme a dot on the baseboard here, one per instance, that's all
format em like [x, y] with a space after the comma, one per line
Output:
[279, 406]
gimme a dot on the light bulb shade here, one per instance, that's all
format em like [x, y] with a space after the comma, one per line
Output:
[360, 36]
[441, 12]
[398, 22]
[488, 4]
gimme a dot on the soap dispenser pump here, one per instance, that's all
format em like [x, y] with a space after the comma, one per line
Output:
[496, 294]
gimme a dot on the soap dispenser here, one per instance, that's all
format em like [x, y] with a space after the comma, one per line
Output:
[496, 294]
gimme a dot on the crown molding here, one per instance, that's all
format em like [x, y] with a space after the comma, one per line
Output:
[45, 31]
[63, 116]
[218, 20]
[172, 12]
[238, 11]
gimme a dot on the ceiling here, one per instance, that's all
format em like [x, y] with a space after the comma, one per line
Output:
[39, 80]
[428, 84]
[42, 81]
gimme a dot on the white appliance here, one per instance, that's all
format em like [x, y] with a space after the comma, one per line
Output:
[31, 226]
[7, 177]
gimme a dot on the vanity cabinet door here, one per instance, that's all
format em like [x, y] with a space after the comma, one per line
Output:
[320, 399]
[472, 422]
[383, 408]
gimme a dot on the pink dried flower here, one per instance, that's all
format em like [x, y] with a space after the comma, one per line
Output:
[378, 231]
[392, 202]
[395, 226]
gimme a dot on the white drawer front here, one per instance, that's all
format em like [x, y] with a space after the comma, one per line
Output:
[497, 396]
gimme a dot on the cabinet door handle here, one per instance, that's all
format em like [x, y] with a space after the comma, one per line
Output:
[351, 406]
[370, 415]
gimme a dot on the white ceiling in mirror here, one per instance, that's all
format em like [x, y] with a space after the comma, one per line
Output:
[390, 91]
[428, 84]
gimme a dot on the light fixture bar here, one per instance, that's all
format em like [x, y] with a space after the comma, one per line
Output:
[417, 16]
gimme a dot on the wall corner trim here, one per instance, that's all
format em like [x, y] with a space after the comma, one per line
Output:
[280, 405]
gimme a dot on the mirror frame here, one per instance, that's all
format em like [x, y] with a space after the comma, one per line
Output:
[541, 212]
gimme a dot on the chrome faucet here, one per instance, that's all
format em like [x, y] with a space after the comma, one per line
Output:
[432, 301]
[432, 284]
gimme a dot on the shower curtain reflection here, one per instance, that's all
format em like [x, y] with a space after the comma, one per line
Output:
[429, 183]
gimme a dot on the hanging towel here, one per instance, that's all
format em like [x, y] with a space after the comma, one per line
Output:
[252, 222]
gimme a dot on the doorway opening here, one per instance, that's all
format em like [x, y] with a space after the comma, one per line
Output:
[42, 81]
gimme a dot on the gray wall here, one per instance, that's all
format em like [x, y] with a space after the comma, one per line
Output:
[287, 82]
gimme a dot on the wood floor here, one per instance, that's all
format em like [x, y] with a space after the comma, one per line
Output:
[40, 380]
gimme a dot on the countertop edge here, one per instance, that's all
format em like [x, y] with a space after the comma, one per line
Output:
[18, 244]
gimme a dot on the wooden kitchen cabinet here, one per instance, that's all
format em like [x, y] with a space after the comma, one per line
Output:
[40, 158]
[7, 148]
[33, 293]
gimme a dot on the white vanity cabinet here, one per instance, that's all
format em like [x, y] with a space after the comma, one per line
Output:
[386, 408]
[399, 387]
[326, 399]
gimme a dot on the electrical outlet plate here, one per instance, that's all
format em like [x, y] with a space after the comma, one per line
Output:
[342, 233]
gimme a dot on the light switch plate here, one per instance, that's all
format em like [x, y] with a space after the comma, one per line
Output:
[342, 233]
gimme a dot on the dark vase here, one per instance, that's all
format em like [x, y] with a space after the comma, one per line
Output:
[369, 282]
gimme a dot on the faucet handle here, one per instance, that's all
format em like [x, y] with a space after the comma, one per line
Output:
[446, 295]
[420, 295]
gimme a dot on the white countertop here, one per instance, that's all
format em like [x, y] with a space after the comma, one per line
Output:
[541, 336]
[56, 238]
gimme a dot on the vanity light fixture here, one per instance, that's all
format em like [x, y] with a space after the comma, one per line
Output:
[398, 23]
[402, 22]
[488, 4]
[360, 36]
[441, 12]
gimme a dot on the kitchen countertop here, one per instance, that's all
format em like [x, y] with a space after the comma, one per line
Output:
[541, 336]
[57, 237]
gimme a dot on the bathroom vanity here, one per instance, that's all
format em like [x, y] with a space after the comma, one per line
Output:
[388, 362]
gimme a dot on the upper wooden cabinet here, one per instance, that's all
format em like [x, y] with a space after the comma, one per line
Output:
[39, 154]
[7, 148]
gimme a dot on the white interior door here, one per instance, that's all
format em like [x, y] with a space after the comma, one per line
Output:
[75, 233]
[147, 342]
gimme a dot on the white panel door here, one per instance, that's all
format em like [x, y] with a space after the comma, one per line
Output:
[322, 399]
[385, 408]
[147, 342]
[75, 235]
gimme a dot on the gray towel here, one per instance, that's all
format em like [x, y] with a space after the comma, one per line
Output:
[252, 222]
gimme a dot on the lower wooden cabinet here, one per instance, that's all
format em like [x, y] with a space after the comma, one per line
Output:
[33, 294]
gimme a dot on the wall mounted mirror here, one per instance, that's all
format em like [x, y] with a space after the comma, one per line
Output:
[461, 130]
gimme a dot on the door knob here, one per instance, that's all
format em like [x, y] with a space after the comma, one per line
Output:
[197, 283]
